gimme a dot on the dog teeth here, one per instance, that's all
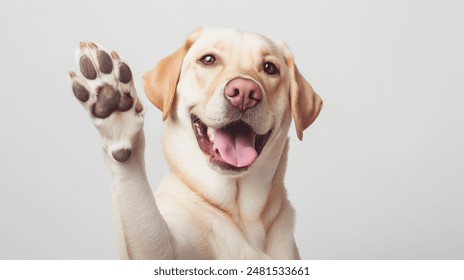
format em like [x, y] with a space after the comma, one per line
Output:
[201, 129]
[210, 132]
[198, 128]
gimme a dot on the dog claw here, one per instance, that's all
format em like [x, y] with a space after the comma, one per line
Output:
[92, 45]
[82, 45]
[114, 55]
[138, 108]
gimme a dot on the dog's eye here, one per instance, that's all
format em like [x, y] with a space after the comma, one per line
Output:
[208, 59]
[270, 68]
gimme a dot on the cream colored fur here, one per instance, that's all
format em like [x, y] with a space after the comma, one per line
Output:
[200, 211]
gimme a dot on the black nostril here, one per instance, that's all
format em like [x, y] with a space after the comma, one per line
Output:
[251, 95]
[236, 92]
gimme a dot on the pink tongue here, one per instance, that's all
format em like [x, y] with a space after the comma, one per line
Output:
[235, 146]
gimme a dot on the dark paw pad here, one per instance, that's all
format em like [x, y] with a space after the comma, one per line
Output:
[105, 62]
[87, 68]
[107, 101]
[110, 100]
[80, 92]
[125, 74]
[122, 155]
[126, 102]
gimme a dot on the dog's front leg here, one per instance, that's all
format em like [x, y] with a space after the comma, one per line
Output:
[141, 229]
[107, 92]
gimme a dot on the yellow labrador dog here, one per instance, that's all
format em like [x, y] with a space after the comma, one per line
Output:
[227, 100]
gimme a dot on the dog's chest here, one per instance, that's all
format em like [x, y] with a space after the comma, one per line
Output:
[236, 238]
[236, 228]
[241, 231]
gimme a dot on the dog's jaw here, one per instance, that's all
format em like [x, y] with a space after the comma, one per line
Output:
[232, 148]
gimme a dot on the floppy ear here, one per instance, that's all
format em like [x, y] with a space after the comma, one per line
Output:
[305, 103]
[160, 83]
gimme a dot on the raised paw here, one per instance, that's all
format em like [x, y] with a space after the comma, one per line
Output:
[106, 90]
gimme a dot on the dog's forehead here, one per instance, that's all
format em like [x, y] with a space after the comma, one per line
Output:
[224, 39]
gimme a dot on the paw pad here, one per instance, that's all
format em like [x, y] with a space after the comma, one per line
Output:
[107, 102]
[80, 92]
[106, 64]
[110, 100]
[122, 155]
[87, 68]
[125, 74]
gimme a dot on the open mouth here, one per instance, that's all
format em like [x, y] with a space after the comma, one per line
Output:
[233, 147]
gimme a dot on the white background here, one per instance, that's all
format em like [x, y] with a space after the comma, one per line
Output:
[379, 175]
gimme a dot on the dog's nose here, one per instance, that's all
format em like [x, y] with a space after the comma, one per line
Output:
[243, 93]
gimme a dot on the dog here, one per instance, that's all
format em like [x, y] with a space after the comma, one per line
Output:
[227, 99]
